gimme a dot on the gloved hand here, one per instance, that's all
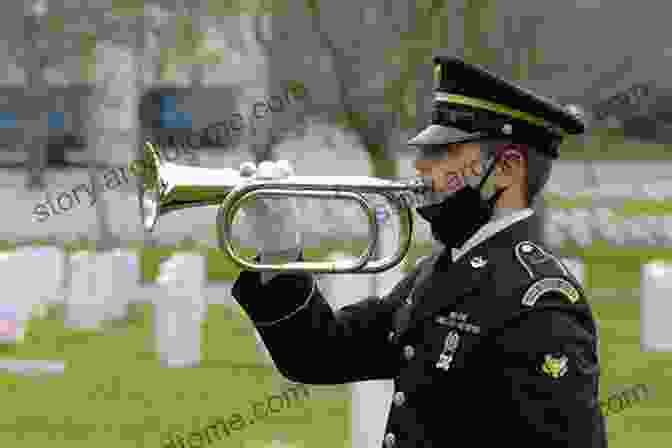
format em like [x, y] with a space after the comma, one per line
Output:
[273, 222]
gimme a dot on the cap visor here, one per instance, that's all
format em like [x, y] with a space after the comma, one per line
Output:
[436, 134]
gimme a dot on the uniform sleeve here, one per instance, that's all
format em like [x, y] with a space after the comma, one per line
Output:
[308, 341]
[551, 371]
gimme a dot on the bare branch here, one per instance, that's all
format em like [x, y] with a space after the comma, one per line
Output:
[370, 137]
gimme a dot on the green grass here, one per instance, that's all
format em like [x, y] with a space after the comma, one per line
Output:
[624, 365]
[115, 394]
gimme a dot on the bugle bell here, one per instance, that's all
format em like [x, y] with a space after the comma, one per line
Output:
[167, 187]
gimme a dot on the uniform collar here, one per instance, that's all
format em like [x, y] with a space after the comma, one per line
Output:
[490, 229]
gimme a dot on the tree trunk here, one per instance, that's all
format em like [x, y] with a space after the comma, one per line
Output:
[35, 140]
[263, 146]
[94, 138]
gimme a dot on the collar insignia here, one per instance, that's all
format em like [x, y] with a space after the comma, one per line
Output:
[478, 262]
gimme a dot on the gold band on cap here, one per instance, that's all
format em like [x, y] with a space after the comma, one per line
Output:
[497, 108]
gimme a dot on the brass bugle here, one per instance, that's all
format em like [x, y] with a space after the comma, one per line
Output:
[167, 187]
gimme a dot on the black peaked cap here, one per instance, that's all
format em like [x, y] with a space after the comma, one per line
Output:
[471, 103]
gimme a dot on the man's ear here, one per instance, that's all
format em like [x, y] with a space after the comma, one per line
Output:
[510, 167]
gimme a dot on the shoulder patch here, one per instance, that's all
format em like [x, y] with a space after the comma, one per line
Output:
[541, 287]
[538, 262]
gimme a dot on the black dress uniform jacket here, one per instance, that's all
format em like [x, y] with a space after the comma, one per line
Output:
[498, 347]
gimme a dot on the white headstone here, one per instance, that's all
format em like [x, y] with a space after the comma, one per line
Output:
[656, 308]
[577, 268]
[21, 298]
[370, 406]
[117, 278]
[370, 401]
[554, 232]
[580, 229]
[180, 310]
[32, 367]
[85, 308]
[385, 281]
[47, 263]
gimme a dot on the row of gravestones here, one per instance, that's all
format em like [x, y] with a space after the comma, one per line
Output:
[98, 287]
[95, 287]
[582, 226]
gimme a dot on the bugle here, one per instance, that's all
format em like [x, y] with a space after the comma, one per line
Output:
[167, 187]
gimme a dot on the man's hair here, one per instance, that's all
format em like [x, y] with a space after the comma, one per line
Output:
[538, 164]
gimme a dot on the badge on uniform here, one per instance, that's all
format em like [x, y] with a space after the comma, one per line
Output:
[478, 262]
[536, 260]
[533, 254]
[555, 366]
[541, 287]
[449, 346]
[459, 321]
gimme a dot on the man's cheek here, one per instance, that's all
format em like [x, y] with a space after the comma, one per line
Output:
[475, 169]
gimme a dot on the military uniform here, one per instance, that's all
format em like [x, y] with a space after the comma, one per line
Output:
[493, 342]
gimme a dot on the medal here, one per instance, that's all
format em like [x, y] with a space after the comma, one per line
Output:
[449, 346]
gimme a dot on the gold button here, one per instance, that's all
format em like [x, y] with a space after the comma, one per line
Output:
[409, 352]
[399, 398]
[390, 440]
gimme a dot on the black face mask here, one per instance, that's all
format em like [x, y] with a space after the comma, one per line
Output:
[458, 217]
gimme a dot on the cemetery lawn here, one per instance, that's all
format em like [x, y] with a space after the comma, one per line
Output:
[115, 394]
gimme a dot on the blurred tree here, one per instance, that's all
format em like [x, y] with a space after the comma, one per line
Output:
[123, 26]
[373, 128]
[263, 147]
[35, 61]
[408, 35]
[94, 135]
